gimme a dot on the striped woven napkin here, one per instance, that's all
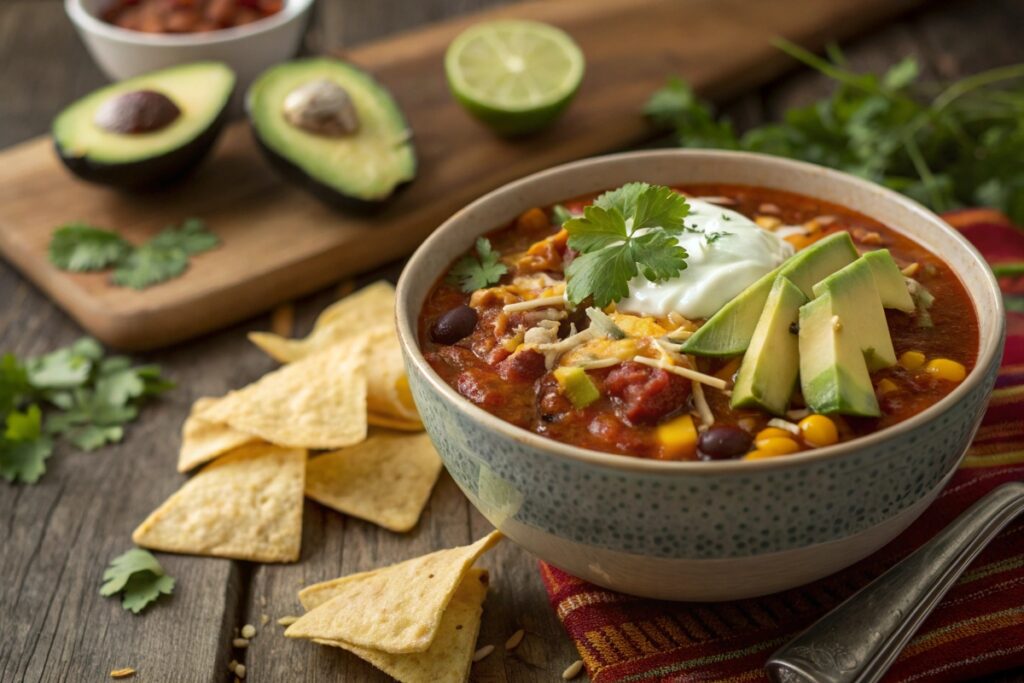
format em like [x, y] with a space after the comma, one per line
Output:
[978, 628]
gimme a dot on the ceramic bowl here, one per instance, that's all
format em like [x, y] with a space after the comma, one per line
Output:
[248, 49]
[699, 530]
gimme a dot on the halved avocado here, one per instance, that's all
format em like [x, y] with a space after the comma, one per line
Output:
[332, 129]
[147, 130]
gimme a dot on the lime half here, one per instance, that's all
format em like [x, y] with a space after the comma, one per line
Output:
[515, 76]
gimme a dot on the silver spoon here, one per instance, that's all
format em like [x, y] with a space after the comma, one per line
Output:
[858, 640]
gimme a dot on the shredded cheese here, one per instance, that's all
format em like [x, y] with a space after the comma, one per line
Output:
[596, 364]
[784, 424]
[707, 417]
[694, 375]
[540, 302]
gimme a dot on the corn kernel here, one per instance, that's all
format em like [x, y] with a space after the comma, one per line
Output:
[819, 431]
[886, 386]
[772, 433]
[912, 360]
[678, 437]
[759, 455]
[777, 445]
[945, 369]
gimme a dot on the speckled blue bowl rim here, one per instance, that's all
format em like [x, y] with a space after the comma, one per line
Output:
[421, 259]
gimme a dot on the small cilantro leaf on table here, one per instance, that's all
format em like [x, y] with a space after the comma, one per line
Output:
[484, 269]
[626, 231]
[24, 448]
[192, 237]
[79, 247]
[138, 577]
[150, 264]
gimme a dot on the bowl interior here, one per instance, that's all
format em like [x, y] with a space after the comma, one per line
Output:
[676, 167]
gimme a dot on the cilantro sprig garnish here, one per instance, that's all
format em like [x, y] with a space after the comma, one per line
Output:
[79, 248]
[76, 393]
[626, 231]
[484, 269]
[138, 577]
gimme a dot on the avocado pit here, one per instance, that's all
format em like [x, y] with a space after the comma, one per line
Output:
[139, 111]
[321, 107]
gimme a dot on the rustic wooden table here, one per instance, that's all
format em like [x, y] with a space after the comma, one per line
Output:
[56, 537]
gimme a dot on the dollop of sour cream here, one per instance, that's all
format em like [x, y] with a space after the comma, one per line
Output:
[717, 268]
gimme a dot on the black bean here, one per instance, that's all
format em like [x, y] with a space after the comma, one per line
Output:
[722, 442]
[454, 325]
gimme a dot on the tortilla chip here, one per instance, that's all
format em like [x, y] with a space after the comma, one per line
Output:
[246, 505]
[394, 423]
[202, 441]
[386, 479]
[355, 315]
[450, 656]
[317, 402]
[387, 387]
[395, 609]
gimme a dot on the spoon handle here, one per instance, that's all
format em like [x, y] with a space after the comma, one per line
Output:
[858, 640]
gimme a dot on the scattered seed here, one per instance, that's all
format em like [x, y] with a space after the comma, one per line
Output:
[514, 640]
[263, 601]
[124, 672]
[837, 324]
[482, 652]
[240, 642]
[573, 670]
[248, 631]
[232, 665]
[240, 670]
[264, 620]
[287, 621]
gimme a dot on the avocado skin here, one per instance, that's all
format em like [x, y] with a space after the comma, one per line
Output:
[151, 173]
[322, 191]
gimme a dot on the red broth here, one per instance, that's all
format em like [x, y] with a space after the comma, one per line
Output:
[187, 16]
[478, 367]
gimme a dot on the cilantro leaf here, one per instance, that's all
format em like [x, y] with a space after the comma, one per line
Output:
[149, 265]
[138, 576]
[485, 269]
[81, 247]
[14, 386]
[560, 214]
[192, 237]
[626, 231]
[24, 448]
[64, 368]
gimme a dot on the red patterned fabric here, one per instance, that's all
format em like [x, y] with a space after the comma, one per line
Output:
[978, 629]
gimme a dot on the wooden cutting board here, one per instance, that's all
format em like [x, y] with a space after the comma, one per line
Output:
[279, 243]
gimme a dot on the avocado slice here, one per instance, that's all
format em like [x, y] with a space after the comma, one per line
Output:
[833, 375]
[728, 332]
[147, 130]
[854, 291]
[891, 284]
[356, 162]
[769, 370]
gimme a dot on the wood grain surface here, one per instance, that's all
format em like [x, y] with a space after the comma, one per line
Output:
[56, 537]
[721, 46]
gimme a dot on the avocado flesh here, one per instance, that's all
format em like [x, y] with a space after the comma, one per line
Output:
[833, 375]
[854, 291]
[769, 370]
[366, 166]
[892, 286]
[728, 332]
[201, 90]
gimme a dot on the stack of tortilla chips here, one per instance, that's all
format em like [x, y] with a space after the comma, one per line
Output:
[416, 621]
[246, 503]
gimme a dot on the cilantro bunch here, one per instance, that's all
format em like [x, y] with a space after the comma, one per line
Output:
[626, 231]
[947, 147]
[78, 247]
[87, 397]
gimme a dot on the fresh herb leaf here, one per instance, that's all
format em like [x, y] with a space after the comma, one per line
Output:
[91, 396]
[626, 231]
[24, 448]
[138, 576]
[712, 237]
[952, 146]
[560, 214]
[81, 247]
[476, 272]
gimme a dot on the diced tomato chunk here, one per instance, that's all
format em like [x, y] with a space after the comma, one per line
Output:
[522, 366]
[646, 395]
[479, 388]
